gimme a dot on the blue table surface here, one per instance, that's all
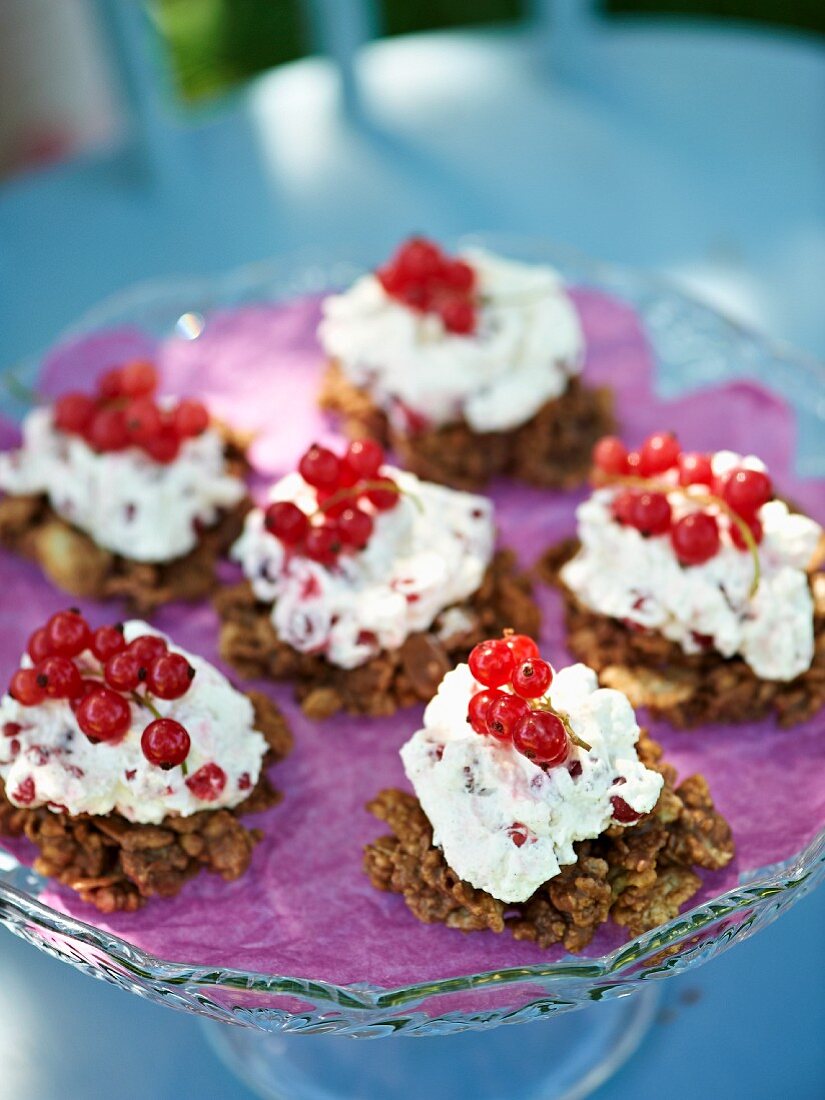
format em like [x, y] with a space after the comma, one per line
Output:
[718, 181]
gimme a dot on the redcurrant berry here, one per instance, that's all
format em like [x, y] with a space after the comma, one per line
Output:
[623, 506]
[458, 316]
[138, 378]
[164, 446]
[532, 678]
[478, 708]
[695, 538]
[354, 528]
[503, 713]
[170, 676]
[385, 496]
[165, 743]
[122, 671]
[695, 469]
[39, 645]
[365, 457]
[26, 689]
[103, 715]
[147, 648]
[492, 663]
[68, 633]
[622, 812]
[107, 641]
[542, 738]
[522, 647]
[649, 513]
[286, 521]
[73, 413]
[458, 276]
[190, 418]
[87, 687]
[207, 783]
[320, 468]
[610, 456]
[738, 539]
[143, 420]
[747, 490]
[322, 544]
[109, 384]
[107, 431]
[659, 452]
[419, 259]
[59, 677]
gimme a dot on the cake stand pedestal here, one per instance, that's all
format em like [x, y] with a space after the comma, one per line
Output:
[565, 1058]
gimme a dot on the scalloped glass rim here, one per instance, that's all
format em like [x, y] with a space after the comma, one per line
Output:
[696, 345]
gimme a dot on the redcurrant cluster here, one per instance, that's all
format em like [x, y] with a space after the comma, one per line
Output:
[124, 413]
[521, 714]
[425, 279]
[695, 536]
[101, 687]
[349, 491]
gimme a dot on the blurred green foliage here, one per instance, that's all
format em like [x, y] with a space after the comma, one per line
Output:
[216, 44]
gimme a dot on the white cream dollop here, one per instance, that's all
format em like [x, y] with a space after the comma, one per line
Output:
[619, 573]
[124, 501]
[479, 793]
[527, 345]
[67, 770]
[429, 552]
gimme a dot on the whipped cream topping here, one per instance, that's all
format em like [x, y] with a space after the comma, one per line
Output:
[124, 501]
[69, 773]
[620, 573]
[527, 344]
[429, 552]
[505, 824]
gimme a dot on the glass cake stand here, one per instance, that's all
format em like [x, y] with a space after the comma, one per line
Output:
[457, 1018]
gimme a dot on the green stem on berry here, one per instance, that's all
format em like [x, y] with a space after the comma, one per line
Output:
[700, 498]
[544, 704]
[355, 491]
[184, 769]
[20, 391]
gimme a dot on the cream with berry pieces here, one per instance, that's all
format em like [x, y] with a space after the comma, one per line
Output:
[433, 342]
[118, 720]
[506, 788]
[693, 588]
[352, 566]
[137, 473]
[540, 807]
[363, 582]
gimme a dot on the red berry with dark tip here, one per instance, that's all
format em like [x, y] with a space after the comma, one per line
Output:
[695, 469]
[319, 467]
[478, 708]
[122, 671]
[286, 521]
[649, 513]
[695, 538]
[623, 506]
[542, 738]
[107, 641]
[354, 528]
[747, 490]
[165, 743]
[492, 663]
[73, 413]
[190, 418]
[26, 689]
[503, 714]
[365, 457]
[322, 544]
[143, 420]
[170, 676]
[39, 645]
[610, 456]
[660, 452]
[69, 634]
[59, 677]
[532, 678]
[104, 716]
[207, 783]
[147, 648]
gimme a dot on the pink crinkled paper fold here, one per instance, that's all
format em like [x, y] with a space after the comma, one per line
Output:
[305, 908]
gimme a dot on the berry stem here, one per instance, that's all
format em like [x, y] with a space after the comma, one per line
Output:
[544, 704]
[20, 391]
[687, 491]
[146, 701]
[355, 491]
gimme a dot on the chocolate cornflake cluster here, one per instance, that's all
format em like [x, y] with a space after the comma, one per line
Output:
[392, 679]
[115, 864]
[687, 689]
[72, 561]
[638, 875]
[552, 450]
